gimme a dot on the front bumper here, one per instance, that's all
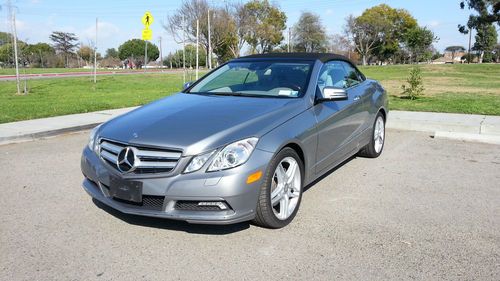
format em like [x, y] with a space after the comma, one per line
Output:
[224, 186]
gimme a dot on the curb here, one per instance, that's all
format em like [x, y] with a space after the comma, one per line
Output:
[45, 134]
[491, 139]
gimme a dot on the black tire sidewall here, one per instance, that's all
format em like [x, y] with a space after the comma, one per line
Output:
[272, 220]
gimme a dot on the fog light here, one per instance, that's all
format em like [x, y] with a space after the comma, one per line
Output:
[221, 205]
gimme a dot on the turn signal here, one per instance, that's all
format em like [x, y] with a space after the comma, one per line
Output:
[254, 177]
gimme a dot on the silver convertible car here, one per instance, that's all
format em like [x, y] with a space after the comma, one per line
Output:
[239, 144]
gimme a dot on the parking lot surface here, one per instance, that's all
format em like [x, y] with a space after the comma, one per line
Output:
[426, 209]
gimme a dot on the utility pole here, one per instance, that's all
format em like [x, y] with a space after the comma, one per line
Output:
[209, 43]
[14, 35]
[289, 39]
[184, 50]
[197, 45]
[145, 55]
[468, 52]
[161, 55]
[95, 53]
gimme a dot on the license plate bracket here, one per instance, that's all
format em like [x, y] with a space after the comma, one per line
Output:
[126, 189]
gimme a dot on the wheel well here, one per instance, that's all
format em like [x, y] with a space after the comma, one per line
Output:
[297, 149]
[383, 113]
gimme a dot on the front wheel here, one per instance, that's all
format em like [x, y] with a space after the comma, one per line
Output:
[374, 148]
[281, 191]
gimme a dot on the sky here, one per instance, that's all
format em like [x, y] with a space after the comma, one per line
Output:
[119, 21]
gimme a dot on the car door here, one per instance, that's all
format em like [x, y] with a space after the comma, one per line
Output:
[338, 122]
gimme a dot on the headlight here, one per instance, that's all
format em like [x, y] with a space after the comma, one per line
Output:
[92, 138]
[233, 155]
[197, 162]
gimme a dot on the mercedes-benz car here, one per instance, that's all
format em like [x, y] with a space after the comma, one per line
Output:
[239, 144]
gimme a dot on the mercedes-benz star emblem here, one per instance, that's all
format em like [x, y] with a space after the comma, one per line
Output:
[126, 161]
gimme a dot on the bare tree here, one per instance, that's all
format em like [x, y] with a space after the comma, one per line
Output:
[364, 36]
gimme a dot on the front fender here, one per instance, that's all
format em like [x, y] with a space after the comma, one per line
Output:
[299, 131]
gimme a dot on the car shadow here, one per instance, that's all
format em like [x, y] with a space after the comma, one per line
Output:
[307, 187]
[173, 224]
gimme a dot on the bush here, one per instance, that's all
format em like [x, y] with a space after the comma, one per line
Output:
[415, 86]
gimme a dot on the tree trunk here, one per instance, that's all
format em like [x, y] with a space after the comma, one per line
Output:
[364, 59]
[481, 56]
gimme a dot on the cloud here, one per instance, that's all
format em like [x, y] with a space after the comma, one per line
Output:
[433, 23]
[105, 30]
[329, 11]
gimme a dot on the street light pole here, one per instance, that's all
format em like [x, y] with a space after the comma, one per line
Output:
[209, 43]
[15, 52]
[197, 46]
[95, 52]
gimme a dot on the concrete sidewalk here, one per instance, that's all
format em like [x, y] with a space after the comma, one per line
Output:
[44, 127]
[467, 127]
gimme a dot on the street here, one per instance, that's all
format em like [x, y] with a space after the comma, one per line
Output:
[427, 209]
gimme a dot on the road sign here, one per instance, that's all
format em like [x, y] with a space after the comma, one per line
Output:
[147, 34]
[147, 19]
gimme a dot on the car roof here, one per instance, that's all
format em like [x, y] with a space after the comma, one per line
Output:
[323, 57]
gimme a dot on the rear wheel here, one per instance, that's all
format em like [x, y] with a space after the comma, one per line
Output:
[281, 192]
[374, 148]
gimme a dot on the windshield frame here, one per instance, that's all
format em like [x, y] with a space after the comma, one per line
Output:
[302, 93]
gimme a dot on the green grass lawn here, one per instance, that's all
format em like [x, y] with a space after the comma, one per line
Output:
[12, 71]
[52, 97]
[449, 88]
[458, 88]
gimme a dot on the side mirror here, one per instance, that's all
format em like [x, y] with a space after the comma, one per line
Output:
[333, 94]
[187, 85]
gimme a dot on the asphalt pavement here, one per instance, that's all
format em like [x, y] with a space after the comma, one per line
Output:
[427, 209]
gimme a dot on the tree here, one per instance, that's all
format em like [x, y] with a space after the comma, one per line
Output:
[86, 53]
[496, 53]
[111, 53]
[64, 43]
[386, 27]
[488, 12]
[176, 58]
[223, 30]
[309, 35]
[38, 54]
[363, 36]
[454, 50]
[5, 38]
[264, 26]
[419, 41]
[415, 86]
[134, 51]
[486, 38]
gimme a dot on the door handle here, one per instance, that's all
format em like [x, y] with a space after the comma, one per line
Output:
[356, 98]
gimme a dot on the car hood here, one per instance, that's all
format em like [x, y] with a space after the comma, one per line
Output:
[199, 123]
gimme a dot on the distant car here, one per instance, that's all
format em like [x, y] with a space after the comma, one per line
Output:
[239, 144]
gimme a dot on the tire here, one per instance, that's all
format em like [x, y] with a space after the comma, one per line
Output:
[373, 149]
[280, 214]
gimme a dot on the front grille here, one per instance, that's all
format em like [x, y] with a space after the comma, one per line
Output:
[193, 206]
[150, 202]
[150, 160]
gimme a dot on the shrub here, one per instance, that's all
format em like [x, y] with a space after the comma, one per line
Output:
[415, 86]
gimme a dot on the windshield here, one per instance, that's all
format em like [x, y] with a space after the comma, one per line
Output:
[257, 78]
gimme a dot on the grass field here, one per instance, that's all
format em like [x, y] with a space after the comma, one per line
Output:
[458, 88]
[449, 88]
[11, 71]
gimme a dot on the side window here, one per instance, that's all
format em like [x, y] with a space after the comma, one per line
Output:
[353, 77]
[332, 74]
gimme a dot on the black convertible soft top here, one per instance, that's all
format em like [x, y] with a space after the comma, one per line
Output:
[323, 57]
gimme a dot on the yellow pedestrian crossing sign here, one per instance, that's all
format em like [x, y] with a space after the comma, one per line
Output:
[147, 34]
[147, 19]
